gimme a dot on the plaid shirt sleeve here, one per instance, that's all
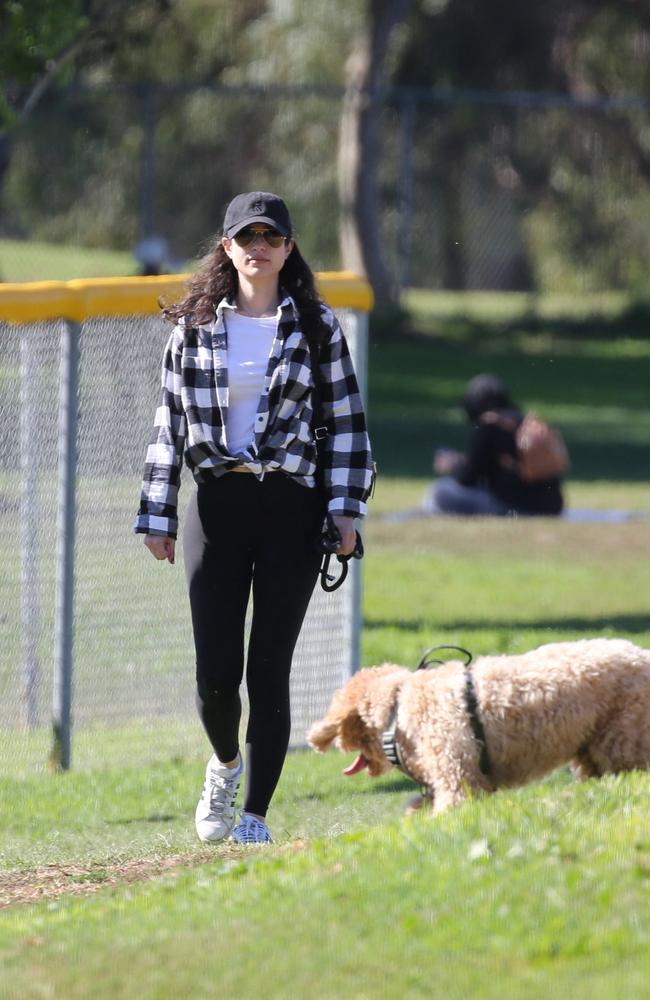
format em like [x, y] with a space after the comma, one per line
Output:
[348, 474]
[162, 474]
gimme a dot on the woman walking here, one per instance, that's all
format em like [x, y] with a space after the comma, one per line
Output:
[237, 406]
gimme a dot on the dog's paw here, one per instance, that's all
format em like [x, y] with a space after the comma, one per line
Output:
[418, 802]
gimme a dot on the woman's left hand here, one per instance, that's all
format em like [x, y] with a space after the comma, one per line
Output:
[345, 524]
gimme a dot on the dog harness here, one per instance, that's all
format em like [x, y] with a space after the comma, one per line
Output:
[389, 739]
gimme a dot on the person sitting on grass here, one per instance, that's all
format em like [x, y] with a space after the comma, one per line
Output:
[488, 479]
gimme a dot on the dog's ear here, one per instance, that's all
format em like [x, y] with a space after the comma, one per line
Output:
[351, 731]
[322, 734]
[347, 729]
[343, 721]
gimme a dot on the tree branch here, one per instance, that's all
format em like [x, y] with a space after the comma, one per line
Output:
[41, 85]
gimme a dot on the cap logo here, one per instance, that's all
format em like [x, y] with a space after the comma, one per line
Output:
[258, 206]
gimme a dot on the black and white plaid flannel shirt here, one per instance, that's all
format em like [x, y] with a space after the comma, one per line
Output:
[191, 418]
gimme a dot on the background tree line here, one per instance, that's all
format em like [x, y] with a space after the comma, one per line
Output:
[411, 135]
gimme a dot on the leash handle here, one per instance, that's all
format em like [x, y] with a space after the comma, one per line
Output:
[328, 581]
[330, 537]
[426, 662]
[328, 544]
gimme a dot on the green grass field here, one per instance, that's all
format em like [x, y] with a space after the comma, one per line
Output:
[27, 261]
[542, 891]
[536, 891]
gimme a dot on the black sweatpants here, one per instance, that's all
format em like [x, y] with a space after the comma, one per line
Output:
[241, 532]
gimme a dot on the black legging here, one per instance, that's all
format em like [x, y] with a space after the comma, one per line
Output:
[239, 531]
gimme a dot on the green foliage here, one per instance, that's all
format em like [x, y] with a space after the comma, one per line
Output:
[556, 46]
[170, 40]
[549, 188]
[95, 166]
[31, 34]
[293, 42]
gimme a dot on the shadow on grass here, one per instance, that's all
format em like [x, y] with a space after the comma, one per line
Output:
[404, 445]
[382, 786]
[624, 623]
[468, 329]
[154, 818]
[395, 784]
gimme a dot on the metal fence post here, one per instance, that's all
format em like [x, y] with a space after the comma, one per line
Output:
[29, 551]
[64, 608]
[360, 357]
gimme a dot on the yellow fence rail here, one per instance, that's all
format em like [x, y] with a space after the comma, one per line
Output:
[37, 301]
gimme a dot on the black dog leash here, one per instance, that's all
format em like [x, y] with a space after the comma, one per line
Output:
[330, 538]
[328, 544]
[426, 662]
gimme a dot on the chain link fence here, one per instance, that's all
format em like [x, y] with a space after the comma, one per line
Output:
[133, 655]
[476, 190]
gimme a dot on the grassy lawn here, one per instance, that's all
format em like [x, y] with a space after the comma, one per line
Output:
[542, 891]
[495, 586]
[28, 261]
[536, 891]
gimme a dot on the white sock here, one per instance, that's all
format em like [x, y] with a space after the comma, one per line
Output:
[231, 771]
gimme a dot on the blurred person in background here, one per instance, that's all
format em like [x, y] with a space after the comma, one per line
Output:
[488, 478]
[237, 405]
[152, 255]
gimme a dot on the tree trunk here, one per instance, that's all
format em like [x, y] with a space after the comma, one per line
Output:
[360, 237]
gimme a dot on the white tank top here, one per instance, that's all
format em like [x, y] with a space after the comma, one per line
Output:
[249, 345]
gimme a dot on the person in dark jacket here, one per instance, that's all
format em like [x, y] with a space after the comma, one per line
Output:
[485, 479]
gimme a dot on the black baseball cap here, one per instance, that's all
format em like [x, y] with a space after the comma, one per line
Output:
[485, 392]
[256, 206]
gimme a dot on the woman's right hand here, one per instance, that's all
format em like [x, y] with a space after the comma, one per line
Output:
[161, 547]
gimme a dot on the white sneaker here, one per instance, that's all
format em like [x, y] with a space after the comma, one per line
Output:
[215, 813]
[251, 830]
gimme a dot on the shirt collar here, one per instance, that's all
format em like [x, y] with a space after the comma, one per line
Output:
[287, 304]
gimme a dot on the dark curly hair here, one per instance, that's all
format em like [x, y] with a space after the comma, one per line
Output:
[216, 278]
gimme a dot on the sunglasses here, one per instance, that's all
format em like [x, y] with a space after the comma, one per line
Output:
[246, 236]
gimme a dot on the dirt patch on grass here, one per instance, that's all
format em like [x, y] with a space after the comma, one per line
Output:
[52, 881]
[72, 879]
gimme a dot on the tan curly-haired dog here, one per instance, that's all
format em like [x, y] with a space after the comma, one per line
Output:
[584, 702]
